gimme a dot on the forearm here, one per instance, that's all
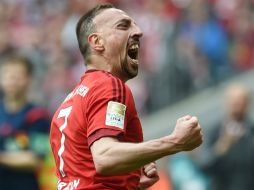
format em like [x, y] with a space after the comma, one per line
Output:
[23, 160]
[112, 157]
[117, 157]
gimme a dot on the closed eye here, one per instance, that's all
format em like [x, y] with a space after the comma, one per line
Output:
[124, 24]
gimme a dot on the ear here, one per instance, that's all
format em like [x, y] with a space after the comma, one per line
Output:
[96, 42]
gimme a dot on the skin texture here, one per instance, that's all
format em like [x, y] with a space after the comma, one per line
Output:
[149, 176]
[115, 32]
[107, 152]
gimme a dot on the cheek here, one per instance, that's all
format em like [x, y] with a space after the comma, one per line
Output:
[115, 44]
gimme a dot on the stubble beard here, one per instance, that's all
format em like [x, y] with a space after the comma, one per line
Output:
[128, 69]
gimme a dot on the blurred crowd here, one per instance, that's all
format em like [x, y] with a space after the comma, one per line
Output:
[225, 159]
[187, 45]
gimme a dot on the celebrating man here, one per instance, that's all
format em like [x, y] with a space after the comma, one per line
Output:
[96, 135]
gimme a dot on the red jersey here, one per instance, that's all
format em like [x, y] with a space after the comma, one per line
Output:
[101, 105]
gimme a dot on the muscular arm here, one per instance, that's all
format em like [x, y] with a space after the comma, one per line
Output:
[112, 157]
[23, 160]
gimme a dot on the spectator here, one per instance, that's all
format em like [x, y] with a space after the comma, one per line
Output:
[207, 42]
[23, 128]
[231, 145]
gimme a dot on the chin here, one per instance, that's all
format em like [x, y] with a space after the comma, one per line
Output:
[133, 74]
[129, 69]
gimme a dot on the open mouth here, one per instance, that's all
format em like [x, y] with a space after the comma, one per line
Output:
[133, 52]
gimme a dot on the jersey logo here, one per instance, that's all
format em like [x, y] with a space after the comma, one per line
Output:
[115, 114]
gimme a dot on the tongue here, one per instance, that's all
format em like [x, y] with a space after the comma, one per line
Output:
[132, 61]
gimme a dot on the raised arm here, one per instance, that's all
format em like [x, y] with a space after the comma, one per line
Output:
[112, 157]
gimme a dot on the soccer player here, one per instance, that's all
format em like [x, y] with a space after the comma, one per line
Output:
[96, 135]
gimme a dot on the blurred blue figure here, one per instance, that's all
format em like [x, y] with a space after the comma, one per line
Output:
[23, 128]
[208, 37]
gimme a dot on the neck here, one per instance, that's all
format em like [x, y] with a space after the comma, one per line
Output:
[13, 104]
[100, 63]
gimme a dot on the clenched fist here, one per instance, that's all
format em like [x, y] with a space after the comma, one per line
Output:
[187, 133]
[149, 176]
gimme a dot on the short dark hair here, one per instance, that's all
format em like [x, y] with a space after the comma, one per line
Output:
[85, 27]
[16, 59]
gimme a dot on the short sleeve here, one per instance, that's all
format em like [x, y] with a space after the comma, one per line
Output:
[106, 110]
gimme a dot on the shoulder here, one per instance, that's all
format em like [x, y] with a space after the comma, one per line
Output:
[35, 113]
[96, 80]
[109, 86]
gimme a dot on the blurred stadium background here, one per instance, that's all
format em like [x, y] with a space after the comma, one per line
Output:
[191, 50]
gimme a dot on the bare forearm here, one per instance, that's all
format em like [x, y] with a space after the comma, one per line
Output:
[19, 160]
[112, 157]
[120, 158]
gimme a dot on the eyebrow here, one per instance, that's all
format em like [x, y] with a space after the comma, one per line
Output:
[126, 20]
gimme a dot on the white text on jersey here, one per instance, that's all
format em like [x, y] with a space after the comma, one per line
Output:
[80, 90]
[68, 186]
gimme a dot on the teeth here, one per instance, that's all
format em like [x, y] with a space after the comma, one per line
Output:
[134, 46]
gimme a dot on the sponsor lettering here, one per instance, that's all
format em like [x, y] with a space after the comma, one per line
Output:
[81, 90]
[68, 186]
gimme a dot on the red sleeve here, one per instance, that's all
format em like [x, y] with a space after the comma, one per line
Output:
[106, 110]
[104, 133]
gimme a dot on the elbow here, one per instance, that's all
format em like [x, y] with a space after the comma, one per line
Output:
[103, 156]
[103, 167]
[101, 170]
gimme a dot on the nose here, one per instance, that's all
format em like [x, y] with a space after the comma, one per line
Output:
[137, 32]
